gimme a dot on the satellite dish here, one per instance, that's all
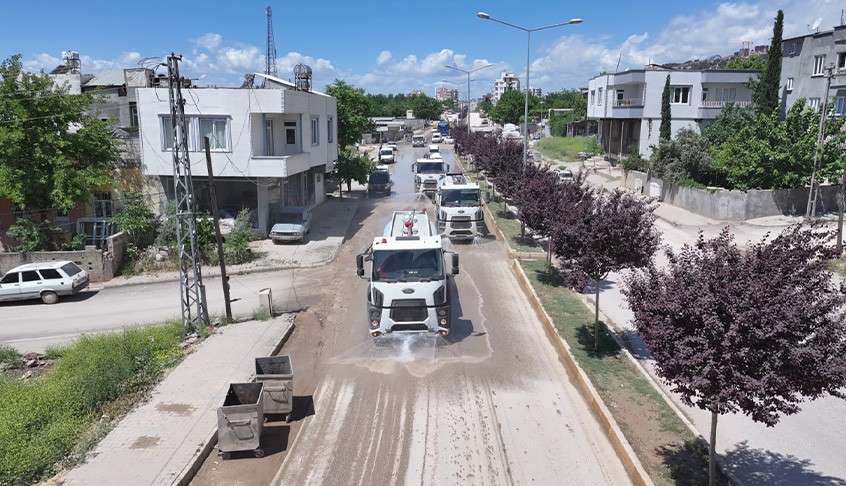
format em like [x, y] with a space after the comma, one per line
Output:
[816, 25]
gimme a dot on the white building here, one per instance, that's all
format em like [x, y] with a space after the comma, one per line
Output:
[506, 81]
[444, 93]
[627, 104]
[270, 147]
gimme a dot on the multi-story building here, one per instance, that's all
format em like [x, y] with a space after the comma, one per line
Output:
[536, 92]
[444, 93]
[627, 105]
[271, 147]
[506, 81]
[803, 65]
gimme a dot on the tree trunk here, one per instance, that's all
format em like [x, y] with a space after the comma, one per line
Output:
[349, 186]
[712, 462]
[596, 316]
[548, 253]
[522, 230]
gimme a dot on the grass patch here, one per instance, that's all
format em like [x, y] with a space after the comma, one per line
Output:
[55, 419]
[505, 220]
[261, 314]
[9, 356]
[670, 453]
[566, 148]
[839, 266]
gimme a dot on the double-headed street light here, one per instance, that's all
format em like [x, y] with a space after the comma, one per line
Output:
[468, 72]
[528, 31]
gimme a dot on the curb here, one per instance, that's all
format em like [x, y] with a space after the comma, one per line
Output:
[622, 448]
[203, 452]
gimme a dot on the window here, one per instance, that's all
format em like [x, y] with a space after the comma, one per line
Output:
[215, 129]
[291, 133]
[592, 97]
[599, 96]
[315, 130]
[168, 133]
[30, 276]
[330, 130]
[268, 137]
[49, 274]
[819, 65]
[788, 85]
[71, 269]
[10, 278]
[133, 114]
[841, 60]
[681, 95]
[103, 204]
[705, 94]
[840, 105]
[621, 94]
[814, 103]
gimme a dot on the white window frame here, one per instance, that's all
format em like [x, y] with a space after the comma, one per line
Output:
[214, 144]
[840, 105]
[315, 130]
[841, 60]
[788, 85]
[814, 104]
[599, 96]
[683, 94]
[819, 65]
[330, 129]
[195, 138]
[592, 97]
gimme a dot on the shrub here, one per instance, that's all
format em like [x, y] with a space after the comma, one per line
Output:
[634, 161]
[136, 219]
[9, 356]
[29, 235]
[44, 418]
[75, 243]
[236, 247]
[684, 159]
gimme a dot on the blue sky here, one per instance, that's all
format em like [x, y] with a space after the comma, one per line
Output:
[396, 46]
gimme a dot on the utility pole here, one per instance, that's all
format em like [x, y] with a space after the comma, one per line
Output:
[811, 210]
[220, 255]
[191, 290]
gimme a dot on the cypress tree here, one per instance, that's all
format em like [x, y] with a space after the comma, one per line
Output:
[765, 95]
[665, 133]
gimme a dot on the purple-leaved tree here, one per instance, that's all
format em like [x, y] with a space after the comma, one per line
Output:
[755, 331]
[606, 232]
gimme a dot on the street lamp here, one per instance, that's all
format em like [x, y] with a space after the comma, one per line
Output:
[468, 72]
[528, 31]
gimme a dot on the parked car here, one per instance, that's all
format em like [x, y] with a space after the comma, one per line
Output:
[45, 280]
[379, 181]
[436, 137]
[449, 140]
[566, 175]
[393, 147]
[291, 224]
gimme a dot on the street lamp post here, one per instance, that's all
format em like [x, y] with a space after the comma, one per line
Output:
[468, 72]
[528, 31]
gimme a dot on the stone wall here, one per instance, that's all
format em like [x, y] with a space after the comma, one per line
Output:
[96, 262]
[734, 205]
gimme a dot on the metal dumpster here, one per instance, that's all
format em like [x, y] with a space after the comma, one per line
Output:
[277, 374]
[240, 420]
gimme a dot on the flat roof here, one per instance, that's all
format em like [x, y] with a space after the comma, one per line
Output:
[671, 70]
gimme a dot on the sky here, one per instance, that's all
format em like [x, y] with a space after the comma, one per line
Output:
[393, 47]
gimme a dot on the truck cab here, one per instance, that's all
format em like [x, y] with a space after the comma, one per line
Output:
[409, 285]
[427, 173]
[418, 141]
[386, 155]
[459, 208]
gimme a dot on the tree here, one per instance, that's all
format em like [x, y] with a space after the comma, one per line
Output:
[449, 104]
[765, 94]
[684, 160]
[608, 232]
[485, 105]
[352, 166]
[425, 107]
[665, 132]
[755, 62]
[52, 152]
[352, 112]
[755, 331]
[509, 108]
[136, 219]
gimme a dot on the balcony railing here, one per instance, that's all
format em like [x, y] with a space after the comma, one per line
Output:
[724, 103]
[628, 103]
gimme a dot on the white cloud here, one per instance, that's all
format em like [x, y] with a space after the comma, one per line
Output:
[383, 57]
[209, 41]
[41, 61]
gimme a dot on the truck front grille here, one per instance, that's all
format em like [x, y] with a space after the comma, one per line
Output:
[461, 224]
[461, 218]
[409, 310]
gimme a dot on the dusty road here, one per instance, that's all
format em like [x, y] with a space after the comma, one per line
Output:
[489, 405]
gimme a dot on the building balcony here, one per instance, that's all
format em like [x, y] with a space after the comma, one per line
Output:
[719, 104]
[628, 103]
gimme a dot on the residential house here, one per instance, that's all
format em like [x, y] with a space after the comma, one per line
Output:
[803, 69]
[507, 80]
[271, 147]
[444, 93]
[627, 104]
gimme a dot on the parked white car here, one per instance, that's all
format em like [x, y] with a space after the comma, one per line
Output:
[45, 280]
[291, 224]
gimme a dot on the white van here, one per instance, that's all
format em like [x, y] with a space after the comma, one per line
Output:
[45, 280]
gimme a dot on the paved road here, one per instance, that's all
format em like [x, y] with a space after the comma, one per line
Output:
[32, 326]
[489, 405]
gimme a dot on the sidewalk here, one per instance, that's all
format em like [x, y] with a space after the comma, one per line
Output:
[160, 441]
[330, 222]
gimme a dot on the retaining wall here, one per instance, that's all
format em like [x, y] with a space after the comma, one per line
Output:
[733, 205]
[101, 265]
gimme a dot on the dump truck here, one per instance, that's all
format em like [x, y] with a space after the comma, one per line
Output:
[409, 285]
[459, 208]
[427, 173]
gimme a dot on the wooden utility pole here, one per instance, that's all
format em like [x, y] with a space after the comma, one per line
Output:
[811, 210]
[841, 203]
[220, 255]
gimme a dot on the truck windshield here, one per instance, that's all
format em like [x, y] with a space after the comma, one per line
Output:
[460, 197]
[430, 167]
[386, 152]
[407, 265]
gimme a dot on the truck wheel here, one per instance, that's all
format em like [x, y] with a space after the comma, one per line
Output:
[49, 297]
[259, 452]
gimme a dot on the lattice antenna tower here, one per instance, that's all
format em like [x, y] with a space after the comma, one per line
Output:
[191, 290]
[270, 55]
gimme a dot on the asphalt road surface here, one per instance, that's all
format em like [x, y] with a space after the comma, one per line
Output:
[490, 404]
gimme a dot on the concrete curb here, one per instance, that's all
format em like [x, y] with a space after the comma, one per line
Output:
[622, 448]
[205, 450]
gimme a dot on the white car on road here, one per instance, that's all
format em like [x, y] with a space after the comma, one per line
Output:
[45, 280]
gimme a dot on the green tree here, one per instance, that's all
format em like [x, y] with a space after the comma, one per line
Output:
[754, 62]
[486, 106]
[52, 152]
[449, 104]
[665, 133]
[135, 218]
[509, 108]
[353, 166]
[425, 107]
[765, 90]
[353, 109]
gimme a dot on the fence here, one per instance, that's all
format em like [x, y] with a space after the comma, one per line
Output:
[733, 205]
[101, 265]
